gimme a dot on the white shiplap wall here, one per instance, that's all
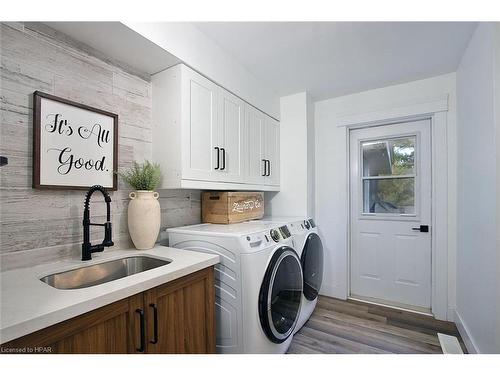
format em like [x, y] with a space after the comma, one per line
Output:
[44, 225]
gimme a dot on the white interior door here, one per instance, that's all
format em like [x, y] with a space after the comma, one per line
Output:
[390, 195]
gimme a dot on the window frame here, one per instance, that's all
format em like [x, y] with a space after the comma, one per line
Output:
[416, 187]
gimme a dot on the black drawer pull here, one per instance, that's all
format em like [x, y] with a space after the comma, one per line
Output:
[155, 325]
[143, 331]
[265, 167]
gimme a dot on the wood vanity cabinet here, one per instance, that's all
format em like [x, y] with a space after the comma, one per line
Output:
[176, 317]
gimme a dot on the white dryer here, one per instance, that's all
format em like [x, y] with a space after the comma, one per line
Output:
[258, 283]
[310, 250]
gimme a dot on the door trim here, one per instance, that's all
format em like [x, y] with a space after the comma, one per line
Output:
[439, 199]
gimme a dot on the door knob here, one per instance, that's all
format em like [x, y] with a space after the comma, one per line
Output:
[422, 228]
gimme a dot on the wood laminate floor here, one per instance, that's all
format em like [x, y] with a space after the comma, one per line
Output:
[344, 327]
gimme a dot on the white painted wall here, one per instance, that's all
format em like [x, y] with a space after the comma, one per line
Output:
[332, 174]
[497, 133]
[296, 195]
[311, 160]
[477, 215]
[186, 42]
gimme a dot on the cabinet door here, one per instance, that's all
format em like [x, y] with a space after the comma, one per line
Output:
[112, 329]
[185, 315]
[231, 121]
[272, 151]
[254, 146]
[200, 132]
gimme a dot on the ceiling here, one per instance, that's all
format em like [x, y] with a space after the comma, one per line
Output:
[117, 41]
[330, 59]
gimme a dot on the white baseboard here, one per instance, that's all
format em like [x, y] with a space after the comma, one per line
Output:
[464, 333]
[450, 314]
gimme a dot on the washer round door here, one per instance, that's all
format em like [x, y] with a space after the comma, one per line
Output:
[280, 295]
[312, 266]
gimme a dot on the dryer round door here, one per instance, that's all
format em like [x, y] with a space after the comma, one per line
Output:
[312, 266]
[280, 295]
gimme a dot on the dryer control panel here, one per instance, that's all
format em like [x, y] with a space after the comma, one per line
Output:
[313, 224]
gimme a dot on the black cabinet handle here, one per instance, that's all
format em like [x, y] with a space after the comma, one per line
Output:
[265, 167]
[223, 158]
[155, 325]
[218, 161]
[143, 331]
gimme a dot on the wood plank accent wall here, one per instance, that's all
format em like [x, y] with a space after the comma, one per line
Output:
[40, 225]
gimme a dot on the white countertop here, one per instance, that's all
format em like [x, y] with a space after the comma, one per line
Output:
[28, 304]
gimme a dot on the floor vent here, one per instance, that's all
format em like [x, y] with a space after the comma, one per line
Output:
[449, 344]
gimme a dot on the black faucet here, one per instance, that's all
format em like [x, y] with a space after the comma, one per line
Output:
[87, 247]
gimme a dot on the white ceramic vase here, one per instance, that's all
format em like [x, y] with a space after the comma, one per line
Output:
[144, 218]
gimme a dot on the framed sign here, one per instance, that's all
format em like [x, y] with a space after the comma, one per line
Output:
[74, 146]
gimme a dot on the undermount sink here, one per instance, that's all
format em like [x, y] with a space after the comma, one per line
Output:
[101, 273]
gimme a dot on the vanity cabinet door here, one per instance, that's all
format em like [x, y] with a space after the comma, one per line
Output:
[181, 315]
[110, 329]
[176, 317]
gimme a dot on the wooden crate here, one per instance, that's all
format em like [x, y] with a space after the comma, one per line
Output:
[228, 207]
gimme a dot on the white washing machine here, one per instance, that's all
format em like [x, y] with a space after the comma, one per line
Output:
[310, 250]
[258, 283]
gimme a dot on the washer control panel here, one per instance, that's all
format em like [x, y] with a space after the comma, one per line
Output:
[261, 240]
[257, 240]
[275, 235]
[285, 232]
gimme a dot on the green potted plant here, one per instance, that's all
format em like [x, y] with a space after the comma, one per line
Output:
[144, 214]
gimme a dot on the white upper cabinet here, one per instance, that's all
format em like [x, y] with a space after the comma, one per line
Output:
[201, 128]
[230, 138]
[204, 137]
[253, 146]
[262, 148]
[271, 140]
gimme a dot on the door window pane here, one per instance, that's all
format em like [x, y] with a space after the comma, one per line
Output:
[389, 195]
[389, 157]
